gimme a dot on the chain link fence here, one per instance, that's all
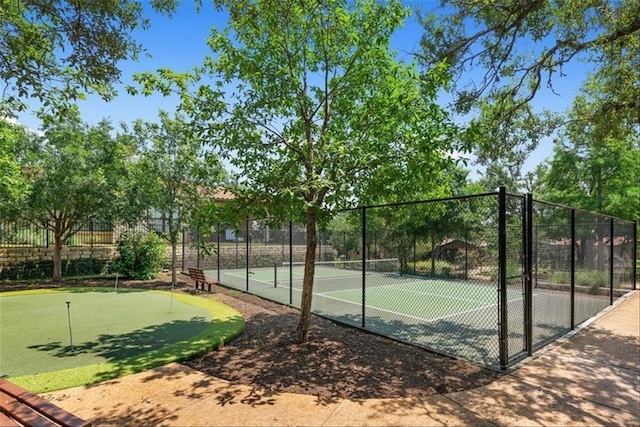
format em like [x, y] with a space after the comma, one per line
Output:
[488, 277]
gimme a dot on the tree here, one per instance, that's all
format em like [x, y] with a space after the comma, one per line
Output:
[309, 104]
[56, 50]
[77, 176]
[596, 164]
[501, 173]
[604, 33]
[16, 142]
[596, 160]
[176, 174]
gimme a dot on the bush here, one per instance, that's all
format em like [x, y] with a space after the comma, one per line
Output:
[84, 267]
[590, 279]
[140, 255]
[513, 270]
[43, 269]
[28, 270]
[561, 277]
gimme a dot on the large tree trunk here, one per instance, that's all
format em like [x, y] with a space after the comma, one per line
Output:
[57, 258]
[302, 331]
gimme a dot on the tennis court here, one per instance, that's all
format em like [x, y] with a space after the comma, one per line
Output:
[487, 277]
[454, 316]
[414, 309]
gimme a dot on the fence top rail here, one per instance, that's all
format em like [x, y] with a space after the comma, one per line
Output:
[601, 215]
[417, 202]
[516, 195]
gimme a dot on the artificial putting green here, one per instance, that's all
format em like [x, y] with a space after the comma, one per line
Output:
[114, 333]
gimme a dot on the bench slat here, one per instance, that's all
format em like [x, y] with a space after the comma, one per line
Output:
[6, 421]
[24, 414]
[26, 399]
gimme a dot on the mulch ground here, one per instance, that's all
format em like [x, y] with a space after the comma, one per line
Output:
[337, 362]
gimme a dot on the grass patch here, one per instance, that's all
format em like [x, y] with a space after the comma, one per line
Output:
[114, 348]
[590, 279]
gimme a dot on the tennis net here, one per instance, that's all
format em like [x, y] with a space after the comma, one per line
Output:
[341, 268]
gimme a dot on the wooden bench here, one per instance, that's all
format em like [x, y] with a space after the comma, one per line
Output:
[198, 276]
[19, 407]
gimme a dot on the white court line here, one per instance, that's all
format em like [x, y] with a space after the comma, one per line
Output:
[250, 279]
[415, 317]
[435, 295]
[377, 308]
[326, 295]
[480, 308]
[423, 319]
[399, 287]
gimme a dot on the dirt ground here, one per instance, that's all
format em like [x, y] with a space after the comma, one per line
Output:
[337, 361]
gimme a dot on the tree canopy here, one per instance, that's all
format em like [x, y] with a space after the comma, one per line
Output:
[78, 174]
[55, 51]
[309, 103]
[523, 47]
[16, 142]
[596, 163]
[175, 174]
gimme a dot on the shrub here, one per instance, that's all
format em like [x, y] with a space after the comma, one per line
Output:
[43, 269]
[84, 267]
[590, 279]
[140, 255]
[513, 270]
[28, 270]
[562, 277]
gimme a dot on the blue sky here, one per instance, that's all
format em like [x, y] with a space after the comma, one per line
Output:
[180, 43]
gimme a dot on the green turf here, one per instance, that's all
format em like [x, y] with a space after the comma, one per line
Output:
[114, 334]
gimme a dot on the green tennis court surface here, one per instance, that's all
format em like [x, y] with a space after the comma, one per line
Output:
[386, 291]
[112, 333]
[458, 317]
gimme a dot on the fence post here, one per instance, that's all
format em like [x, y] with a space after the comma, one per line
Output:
[184, 239]
[414, 250]
[528, 282]
[572, 266]
[198, 243]
[246, 241]
[535, 259]
[364, 259]
[502, 277]
[290, 262]
[466, 253]
[218, 250]
[611, 243]
[635, 254]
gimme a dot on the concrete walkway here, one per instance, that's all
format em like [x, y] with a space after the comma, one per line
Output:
[589, 378]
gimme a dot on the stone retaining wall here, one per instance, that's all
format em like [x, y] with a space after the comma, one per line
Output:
[230, 256]
[9, 256]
